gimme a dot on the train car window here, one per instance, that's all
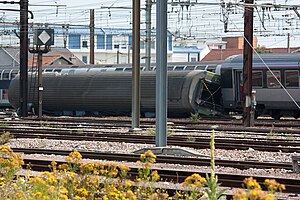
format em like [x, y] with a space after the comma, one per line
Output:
[48, 70]
[170, 68]
[271, 81]
[14, 73]
[199, 67]
[189, 67]
[291, 78]
[57, 70]
[179, 68]
[4, 94]
[127, 69]
[119, 69]
[257, 79]
[5, 75]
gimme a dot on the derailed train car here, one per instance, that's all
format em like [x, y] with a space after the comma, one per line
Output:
[109, 93]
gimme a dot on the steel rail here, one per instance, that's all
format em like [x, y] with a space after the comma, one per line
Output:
[195, 160]
[178, 176]
[178, 141]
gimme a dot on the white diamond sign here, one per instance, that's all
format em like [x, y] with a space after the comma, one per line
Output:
[44, 37]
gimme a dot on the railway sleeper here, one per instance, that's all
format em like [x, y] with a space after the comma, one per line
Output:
[295, 160]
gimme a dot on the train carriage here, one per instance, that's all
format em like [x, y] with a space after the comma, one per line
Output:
[274, 96]
[109, 93]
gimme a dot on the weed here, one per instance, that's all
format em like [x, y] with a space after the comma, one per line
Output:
[191, 139]
[4, 125]
[152, 132]
[212, 180]
[195, 116]
[5, 137]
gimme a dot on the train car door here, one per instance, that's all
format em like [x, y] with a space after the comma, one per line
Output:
[238, 87]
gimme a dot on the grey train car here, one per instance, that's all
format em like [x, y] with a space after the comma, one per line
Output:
[109, 93]
[6, 75]
[271, 98]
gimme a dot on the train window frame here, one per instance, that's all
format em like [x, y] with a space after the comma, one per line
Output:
[6, 73]
[296, 85]
[261, 78]
[270, 75]
[190, 67]
[179, 68]
[170, 68]
[14, 73]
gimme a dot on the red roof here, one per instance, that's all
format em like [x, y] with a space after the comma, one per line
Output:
[47, 60]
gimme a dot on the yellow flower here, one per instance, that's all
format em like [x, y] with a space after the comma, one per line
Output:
[63, 197]
[37, 194]
[239, 194]
[128, 183]
[270, 197]
[251, 183]
[46, 198]
[194, 180]
[82, 192]
[155, 176]
[273, 185]
[256, 193]
[130, 195]
[63, 190]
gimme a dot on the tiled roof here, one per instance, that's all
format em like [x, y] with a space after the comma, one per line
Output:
[221, 54]
[14, 52]
[46, 61]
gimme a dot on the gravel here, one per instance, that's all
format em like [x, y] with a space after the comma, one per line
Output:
[117, 147]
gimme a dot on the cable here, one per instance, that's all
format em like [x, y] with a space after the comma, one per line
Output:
[286, 91]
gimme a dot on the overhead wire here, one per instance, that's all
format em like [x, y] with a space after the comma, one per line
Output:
[269, 69]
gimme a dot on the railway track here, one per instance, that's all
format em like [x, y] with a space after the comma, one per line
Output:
[175, 176]
[195, 142]
[176, 124]
[198, 161]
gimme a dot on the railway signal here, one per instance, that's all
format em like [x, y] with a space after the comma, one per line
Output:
[42, 37]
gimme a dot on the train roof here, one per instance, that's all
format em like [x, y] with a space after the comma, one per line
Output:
[270, 59]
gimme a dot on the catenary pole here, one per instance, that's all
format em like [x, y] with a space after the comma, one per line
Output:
[247, 68]
[23, 57]
[92, 37]
[161, 73]
[136, 65]
[148, 35]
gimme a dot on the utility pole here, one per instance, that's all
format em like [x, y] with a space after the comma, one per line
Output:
[92, 37]
[247, 68]
[136, 64]
[23, 57]
[148, 34]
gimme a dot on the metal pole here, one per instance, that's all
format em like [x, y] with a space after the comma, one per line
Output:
[118, 57]
[23, 57]
[247, 69]
[40, 83]
[92, 37]
[288, 43]
[161, 73]
[148, 34]
[136, 65]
